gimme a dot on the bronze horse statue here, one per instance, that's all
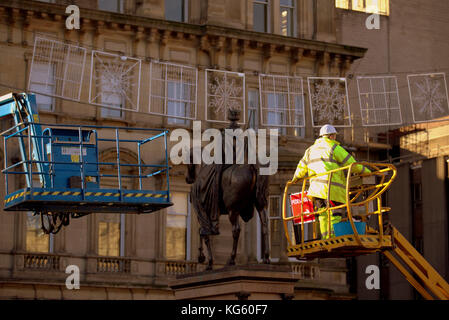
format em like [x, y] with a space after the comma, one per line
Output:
[232, 189]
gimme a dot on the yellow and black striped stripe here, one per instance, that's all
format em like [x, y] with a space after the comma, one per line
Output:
[18, 195]
[369, 242]
[88, 194]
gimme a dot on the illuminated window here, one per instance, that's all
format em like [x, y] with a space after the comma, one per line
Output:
[36, 239]
[287, 9]
[343, 4]
[111, 235]
[368, 6]
[177, 231]
[261, 15]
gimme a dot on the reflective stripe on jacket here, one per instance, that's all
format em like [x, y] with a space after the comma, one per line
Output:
[325, 155]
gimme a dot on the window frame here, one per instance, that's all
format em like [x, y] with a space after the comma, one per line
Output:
[268, 5]
[120, 6]
[162, 81]
[349, 5]
[253, 122]
[188, 228]
[51, 236]
[185, 11]
[178, 119]
[292, 10]
[51, 85]
[122, 229]
[291, 93]
[108, 113]
[259, 229]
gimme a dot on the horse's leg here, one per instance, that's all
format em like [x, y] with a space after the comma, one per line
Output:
[264, 224]
[201, 256]
[234, 218]
[209, 252]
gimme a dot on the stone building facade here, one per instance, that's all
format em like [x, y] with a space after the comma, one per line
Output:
[411, 39]
[135, 256]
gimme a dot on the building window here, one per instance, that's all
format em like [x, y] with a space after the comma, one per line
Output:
[298, 130]
[176, 10]
[278, 106]
[282, 102]
[368, 6]
[276, 113]
[114, 83]
[275, 226]
[173, 92]
[288, 21]
[253, 109]
[36, 239]
[43, 81]
[110, 98]
[178, 102]
[261, 15]
[111, 235]
[177, 232]
[111, 5]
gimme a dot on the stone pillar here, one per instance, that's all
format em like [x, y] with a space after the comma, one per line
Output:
[152, 8]
[325, 21]
[435, 218]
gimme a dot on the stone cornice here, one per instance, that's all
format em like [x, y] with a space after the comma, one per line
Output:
[145, 24]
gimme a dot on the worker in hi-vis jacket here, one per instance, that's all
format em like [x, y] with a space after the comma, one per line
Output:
[324, 155]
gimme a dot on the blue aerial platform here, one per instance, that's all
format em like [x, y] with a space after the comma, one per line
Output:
[86, 201]
[60, 172]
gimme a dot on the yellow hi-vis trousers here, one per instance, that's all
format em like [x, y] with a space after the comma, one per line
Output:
[324, 225]
[324, 219]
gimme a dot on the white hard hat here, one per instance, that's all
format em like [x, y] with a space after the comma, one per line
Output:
[327, 129]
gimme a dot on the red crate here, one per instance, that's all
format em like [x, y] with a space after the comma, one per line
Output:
[306, 203]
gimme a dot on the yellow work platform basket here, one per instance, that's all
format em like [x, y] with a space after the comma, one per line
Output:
[361, 229]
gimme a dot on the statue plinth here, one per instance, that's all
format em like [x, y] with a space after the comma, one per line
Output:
[243, 282]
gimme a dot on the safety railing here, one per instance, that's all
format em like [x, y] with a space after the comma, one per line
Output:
[38, 160]
[362, 200]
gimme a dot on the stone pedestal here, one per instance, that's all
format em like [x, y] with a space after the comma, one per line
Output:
[245, 282]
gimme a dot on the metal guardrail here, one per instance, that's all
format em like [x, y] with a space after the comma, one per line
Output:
[22, 132]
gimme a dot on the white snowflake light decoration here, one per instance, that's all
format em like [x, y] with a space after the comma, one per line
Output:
[281, 101]
[329, 101]
[379, 100]
[429, 96]
[115, 81]
[57, 69]
[225, 91]
[222, 94]
[173, 90]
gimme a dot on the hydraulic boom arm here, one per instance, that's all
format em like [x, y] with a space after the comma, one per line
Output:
[23, 109]
[426, 280]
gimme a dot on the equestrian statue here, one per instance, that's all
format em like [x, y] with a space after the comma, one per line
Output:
[228, 189]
